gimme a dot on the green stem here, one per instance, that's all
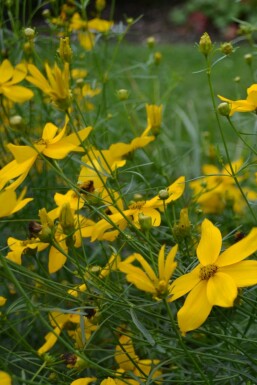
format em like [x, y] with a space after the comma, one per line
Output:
[187, 352]
[224, 141]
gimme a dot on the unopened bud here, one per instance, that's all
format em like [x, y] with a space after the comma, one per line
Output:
[65, 50]
[16, 121]
[29, 33]
[66, 219]
[130, 20]
[224, 109]
[163, 194]
[183, 228]
[205, 44]
[80, 82]
[46, 13]
[151, 42]
[137, 197]
[122, 94]
[248, 58]
[226, 48]
[46, 233]
[157, 58]
[145, 222]
[100, 5]
[237, 79]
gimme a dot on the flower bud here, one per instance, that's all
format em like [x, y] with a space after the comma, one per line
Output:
[205, 44]
[16, 121]
[122, 94]
[46, 233]
[164, 194]
[66, 219]
[237, 79]
[183, 228]
[65, 51]
[226, 48]
[248, 58]
[157, 58]
[29, 33]
[130, 20]
[151, 42]
[224, 109]
[137, 197]
[145, 222]
[100, 5]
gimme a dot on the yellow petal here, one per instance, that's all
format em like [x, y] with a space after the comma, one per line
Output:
[38, 79]
[185, 283]
[56, 259]
[107, 381]
[2, 300]
[6, 70]
[5, 378]
[138, 277]
[161, 262]
[17, 94]
[210, 244]
[51, 338]
[239, 250]
[170, 265]
[83, 381]
[221, 290]
[195, 310]
[243, 273]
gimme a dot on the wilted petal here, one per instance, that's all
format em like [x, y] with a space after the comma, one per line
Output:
[221, 290]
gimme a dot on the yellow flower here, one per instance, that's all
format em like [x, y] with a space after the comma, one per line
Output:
[148, 208]
[56, 85]
[9, 77]
[2, 300]
[52, 144]
[10, 204]
[154, 118]
[218, 189]
[246, 105]
[217, 277]
[145, 278]
[5, 378]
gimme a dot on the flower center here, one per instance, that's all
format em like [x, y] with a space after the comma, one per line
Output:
[208, 271]
[137, 205]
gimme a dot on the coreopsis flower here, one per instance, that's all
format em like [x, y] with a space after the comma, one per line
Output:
[2, 300]
[10, 204]
[128, 361]
[154, 118]
[5, 378]
[145, 278]
[217, 277]
[9, 78]
[52, 145]
[218, 189]
[56, 86]
[246, 105]
[150, 208]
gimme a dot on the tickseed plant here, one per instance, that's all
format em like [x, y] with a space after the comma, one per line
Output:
[127, 203]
